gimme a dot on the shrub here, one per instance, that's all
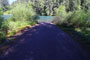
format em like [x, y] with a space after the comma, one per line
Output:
[88, 21]
[63, 15]
[3, 27]
[2, 33]
[79, 18]
[1, 18]
[1, 11]
[22, 11]
[1, 21]
[14, 26]
[22, 16]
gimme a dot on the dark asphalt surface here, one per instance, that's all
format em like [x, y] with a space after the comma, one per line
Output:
[45, 42]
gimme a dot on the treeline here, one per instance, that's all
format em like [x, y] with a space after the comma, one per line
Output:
[4, 4]
[50, 7]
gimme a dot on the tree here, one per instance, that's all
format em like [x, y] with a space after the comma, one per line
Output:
[49, 7]
[4, 4]
[1, 11]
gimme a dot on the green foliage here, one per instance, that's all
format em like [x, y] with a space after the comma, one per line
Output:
[22, 16]
[2, 36]
[22, 12]
[1, 21]
[79, 18]
[76, 17]
[3, 27]
[14, 26]
[62, 14]
[1, 11]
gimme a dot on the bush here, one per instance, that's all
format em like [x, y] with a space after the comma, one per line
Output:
[2, 31]
[88, 21]
[22, 11]
[3, 27]
[1, 21]
[62, 15]
[14, 26]
[79, 18]
[1, 18]
[1, 11]
[22, 16]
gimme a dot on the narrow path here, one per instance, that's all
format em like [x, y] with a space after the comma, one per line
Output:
[45, 42]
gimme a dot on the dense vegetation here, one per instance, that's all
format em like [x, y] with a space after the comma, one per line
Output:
[75, 19]
[4, 4]
[21, 18]
[50, 7]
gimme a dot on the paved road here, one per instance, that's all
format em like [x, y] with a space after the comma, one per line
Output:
[45, 42]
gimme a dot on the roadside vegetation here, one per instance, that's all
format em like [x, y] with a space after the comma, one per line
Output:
[22, 17]
[2, 32]
[75, 22]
